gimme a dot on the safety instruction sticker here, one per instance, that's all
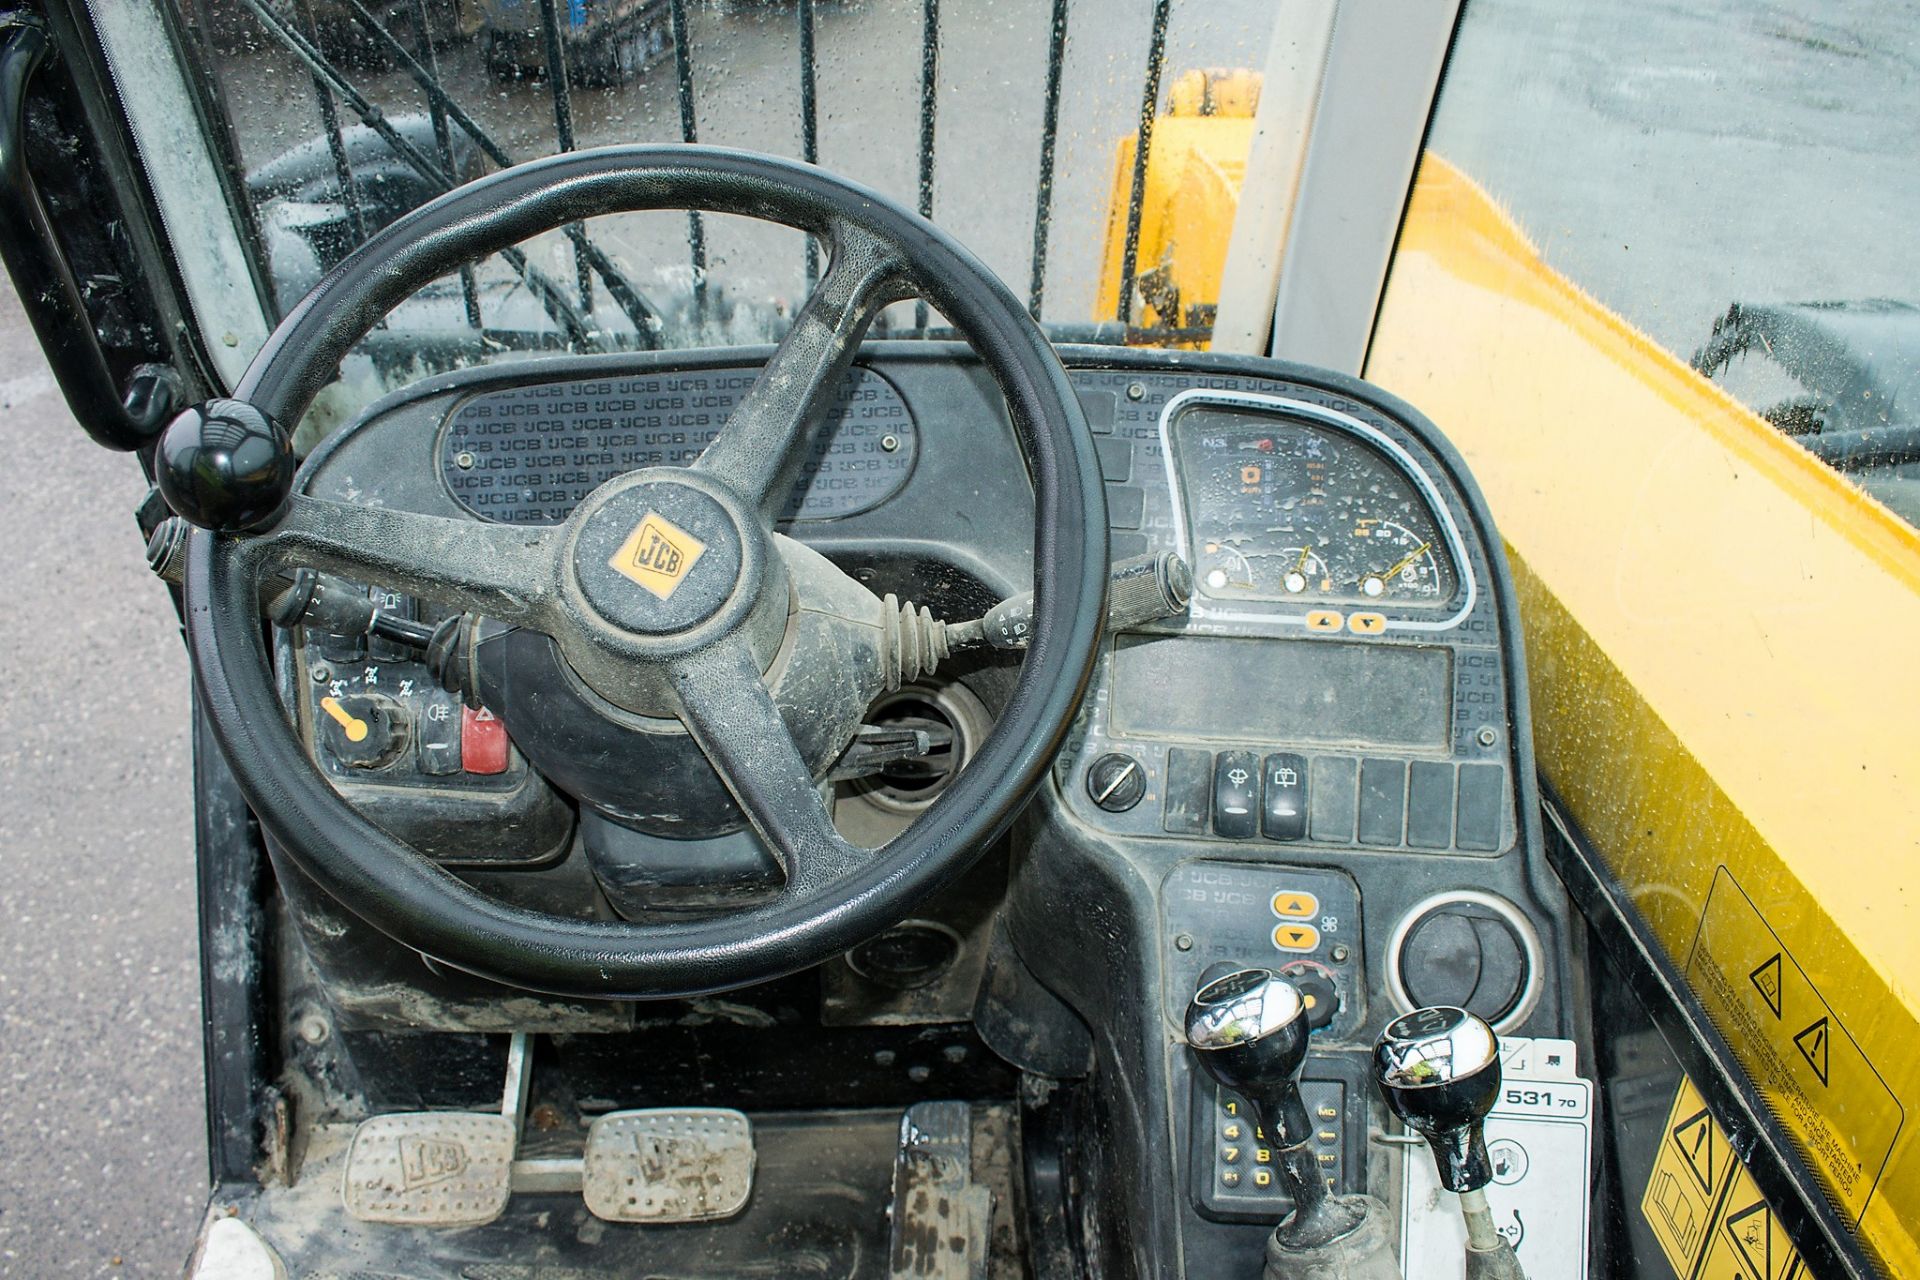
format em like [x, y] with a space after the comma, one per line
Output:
[1540, 1146]
[1748, 1242]
[1690, 1175]
[1709, 1217]
[1811, 1071]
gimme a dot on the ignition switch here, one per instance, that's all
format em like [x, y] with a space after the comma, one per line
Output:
[1116, 782]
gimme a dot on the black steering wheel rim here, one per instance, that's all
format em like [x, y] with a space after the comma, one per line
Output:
[404, 894]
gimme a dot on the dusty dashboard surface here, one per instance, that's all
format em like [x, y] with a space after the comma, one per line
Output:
[1322, 768]
[1340, 686]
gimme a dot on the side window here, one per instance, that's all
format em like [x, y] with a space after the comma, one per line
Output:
[1737, 181]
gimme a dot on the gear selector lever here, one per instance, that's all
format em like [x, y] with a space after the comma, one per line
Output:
[1439, 1069]
[1248, 1030]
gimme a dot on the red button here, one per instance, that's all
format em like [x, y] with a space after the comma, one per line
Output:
[483, 741]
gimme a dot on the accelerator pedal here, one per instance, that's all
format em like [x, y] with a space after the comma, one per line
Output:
[440, 1168]
[940, 1221]
[668, 1164]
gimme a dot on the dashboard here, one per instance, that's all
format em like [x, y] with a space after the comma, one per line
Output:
[1322, 767]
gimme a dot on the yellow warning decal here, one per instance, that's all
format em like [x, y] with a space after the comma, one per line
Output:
[657, 554]
[1810, 1070]
[1690, 1173]
[1747, 1241]
[1704, 1208]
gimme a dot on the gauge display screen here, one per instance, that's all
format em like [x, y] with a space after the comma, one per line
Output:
[1283, 510]
[1282, 690]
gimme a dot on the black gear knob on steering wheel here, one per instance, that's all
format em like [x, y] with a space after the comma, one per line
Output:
[225, 466]
[1439, 1069]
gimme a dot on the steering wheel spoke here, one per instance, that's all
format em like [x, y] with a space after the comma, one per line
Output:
[727, 708]
[758, 449]
[503, 571]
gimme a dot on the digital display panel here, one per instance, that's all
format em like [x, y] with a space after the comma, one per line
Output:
[1281, 691]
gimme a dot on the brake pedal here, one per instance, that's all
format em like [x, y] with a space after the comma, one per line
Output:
[668, 1164]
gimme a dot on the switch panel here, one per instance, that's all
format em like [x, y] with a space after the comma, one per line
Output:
[381, 719]
[1274, 916]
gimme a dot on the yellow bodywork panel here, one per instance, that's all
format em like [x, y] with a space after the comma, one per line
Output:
[1720, 632]
[1192, 191]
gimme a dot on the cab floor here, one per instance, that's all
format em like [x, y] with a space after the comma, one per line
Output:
[819, 1207]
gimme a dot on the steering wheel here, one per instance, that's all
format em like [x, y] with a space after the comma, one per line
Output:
[666, 591]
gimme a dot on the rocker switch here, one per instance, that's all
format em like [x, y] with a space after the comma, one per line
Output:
[1236, 794]
[1283, 812]
[440, 732]
[483, 741]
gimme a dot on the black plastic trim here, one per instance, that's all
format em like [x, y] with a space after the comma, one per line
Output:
[44, 281]
[235, 886]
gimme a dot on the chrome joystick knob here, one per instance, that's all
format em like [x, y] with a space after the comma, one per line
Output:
[1248, 1030]
[1439, 1069]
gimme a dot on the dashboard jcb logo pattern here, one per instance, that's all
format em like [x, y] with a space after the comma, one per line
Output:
[658, 554]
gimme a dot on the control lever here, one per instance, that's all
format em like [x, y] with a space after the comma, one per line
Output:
[1139, 589]
[1248, 1030]
[296, 597]
[913, 642]
[875, 746]
[1439, 1069]
[310, 599]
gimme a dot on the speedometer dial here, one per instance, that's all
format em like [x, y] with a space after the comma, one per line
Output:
[1283, 510]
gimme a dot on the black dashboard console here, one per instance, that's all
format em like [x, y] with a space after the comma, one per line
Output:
[1325, 768]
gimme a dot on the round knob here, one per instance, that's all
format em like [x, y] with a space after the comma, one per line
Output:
[362, 731]
[1317, 992]
[1116, 782]
[226, 466]
[1439, 1069]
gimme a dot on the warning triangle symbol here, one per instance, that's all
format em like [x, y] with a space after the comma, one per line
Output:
[1812, 1044]
[1752, 1231]
[1694, 1137]
[1766, 980]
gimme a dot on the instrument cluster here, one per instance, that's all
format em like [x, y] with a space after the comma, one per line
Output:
[1295, 504]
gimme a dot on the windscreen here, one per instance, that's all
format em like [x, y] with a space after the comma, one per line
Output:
[1017, 126]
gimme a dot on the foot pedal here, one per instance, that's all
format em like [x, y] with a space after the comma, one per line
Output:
[941, 1221]
[668, 1164]
[431, 1168]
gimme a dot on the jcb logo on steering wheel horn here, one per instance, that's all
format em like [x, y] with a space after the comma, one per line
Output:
[658, 554]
